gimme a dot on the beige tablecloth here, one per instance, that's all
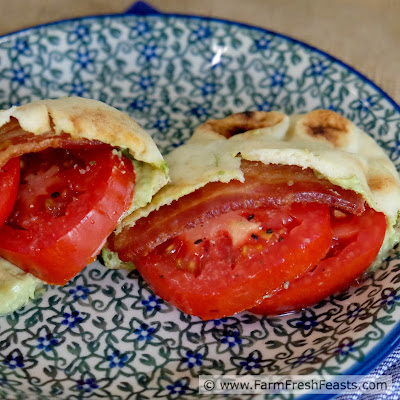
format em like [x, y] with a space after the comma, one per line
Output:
[363, 33]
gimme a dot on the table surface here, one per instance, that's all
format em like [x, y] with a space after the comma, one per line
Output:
[362, 33]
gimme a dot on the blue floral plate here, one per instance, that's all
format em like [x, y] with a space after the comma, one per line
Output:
[105, 334]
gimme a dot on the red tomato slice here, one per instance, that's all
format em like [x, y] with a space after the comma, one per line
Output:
[356, 243]
[9, 178]
[222, 267]
[68, 202]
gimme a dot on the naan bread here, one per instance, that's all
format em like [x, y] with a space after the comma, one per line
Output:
[46, 123]
[322, 140]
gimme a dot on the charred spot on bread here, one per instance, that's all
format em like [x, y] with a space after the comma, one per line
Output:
[236, 124]
[328, 125]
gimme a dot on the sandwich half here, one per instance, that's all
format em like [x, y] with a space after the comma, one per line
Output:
[70, 170]
[264, 212]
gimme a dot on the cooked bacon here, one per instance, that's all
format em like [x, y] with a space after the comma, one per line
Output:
[265, 186]
[14, 141]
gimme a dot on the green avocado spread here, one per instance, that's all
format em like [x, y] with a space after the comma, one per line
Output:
[16, 287]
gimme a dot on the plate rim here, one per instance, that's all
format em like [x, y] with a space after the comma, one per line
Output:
[214, 19]
[391, 341]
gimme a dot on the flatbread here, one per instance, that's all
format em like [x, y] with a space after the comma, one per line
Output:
[322, 140]
[46, 123]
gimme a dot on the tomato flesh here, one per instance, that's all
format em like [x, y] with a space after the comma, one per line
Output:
[356, 243]
[68, 202]
[230, 273]
[198, 254]
[9, 178]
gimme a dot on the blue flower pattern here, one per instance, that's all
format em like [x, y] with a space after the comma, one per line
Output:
[162, 124]
[14, 361]
[117, 359]
[47, 342]
[278, 78]
[79, 292]
[21, 75]
[231, 338]
[72, 319]
[140, 29]
[87, 385]
[84, 58]
[209, 89]
[80, 33]
[180, 387]
[199, 111]
[262, 43]
[193, 359]
[251, 362]
[389, 297]
[200, 33]
[140, 103]
[22, 46]
[145, 332]
[153, 303]
[78, 89]
[306, 323]
[219, 322]
[345, 347]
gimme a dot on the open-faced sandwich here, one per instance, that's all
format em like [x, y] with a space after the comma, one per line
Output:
[264, 212]
[70, 170]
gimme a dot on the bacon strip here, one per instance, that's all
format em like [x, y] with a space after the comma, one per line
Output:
[14, 141]
[264, 186]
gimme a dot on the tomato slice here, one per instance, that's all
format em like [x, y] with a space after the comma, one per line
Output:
[226, 265]
[68, 202]
[356, 243]
[9, 178]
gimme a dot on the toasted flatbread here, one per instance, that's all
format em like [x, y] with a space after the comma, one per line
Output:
[45, 123]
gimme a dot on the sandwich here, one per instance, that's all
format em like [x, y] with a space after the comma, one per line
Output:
[264, 212]
[70, 170]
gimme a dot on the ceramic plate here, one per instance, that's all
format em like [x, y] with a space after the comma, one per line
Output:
[105, 334]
